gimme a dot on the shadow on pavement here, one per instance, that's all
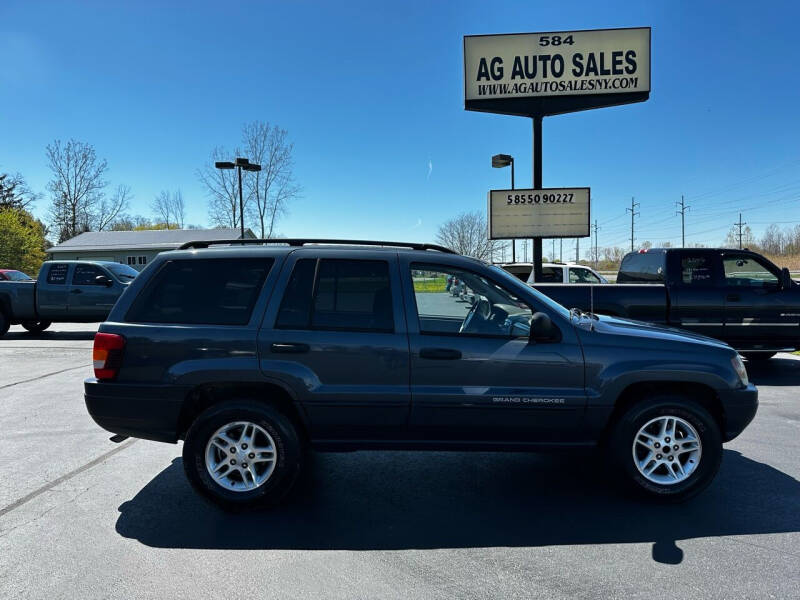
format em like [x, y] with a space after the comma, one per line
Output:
[425, 500]
[51, 335]
[775, 371]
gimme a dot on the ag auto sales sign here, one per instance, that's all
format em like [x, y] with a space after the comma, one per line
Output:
[537, 73]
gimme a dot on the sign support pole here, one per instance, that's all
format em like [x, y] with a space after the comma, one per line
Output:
[537, 185]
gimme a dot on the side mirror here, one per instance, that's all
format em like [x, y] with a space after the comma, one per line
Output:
[102, 280]
[786, 279]
[542, 329]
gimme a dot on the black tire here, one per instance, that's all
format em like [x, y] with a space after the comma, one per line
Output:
[36, 326]
[758, 356]
[624, 433]
[288, 445]
[4, 323]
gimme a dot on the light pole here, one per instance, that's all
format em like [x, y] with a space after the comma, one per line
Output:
[241, 163]
[500, 161]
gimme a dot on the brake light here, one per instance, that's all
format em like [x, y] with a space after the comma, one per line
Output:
[107, 355]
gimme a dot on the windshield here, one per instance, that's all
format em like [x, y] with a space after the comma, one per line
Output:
[541, 299]
[16, 276]
[123, 272]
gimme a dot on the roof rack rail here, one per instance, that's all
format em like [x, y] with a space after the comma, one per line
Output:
[304, 241]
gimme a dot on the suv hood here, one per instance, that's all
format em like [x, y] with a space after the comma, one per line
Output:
[639, 329]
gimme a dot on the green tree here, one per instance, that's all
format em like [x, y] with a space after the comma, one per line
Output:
[22, 241]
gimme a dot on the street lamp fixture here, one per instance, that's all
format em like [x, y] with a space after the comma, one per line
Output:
[241, 163]
[500, 161]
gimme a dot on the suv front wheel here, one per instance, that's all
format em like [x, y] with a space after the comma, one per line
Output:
[242, 454]
[667, 447]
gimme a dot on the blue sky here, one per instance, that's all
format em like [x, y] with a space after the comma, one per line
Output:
[372, 94]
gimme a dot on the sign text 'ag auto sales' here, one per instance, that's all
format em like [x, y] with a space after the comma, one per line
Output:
[545, 65]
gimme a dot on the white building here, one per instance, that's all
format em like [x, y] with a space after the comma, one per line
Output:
[135, 248]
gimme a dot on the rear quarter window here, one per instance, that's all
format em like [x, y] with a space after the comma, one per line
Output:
[217, 291]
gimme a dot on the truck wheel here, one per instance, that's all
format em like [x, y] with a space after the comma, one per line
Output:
[4, 323]
[242, 454]
[757, 356]
[36, 326]
[667, 448]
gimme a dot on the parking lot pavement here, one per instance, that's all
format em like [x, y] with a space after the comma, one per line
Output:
[81, 517]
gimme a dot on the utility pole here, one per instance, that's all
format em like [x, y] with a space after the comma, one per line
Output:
[596, 256]
[739, 225]
[553, 255]
[634, 214]
[682, 208]
[561, 250]
[577, 249]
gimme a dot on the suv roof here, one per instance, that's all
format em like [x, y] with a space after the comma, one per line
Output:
[296, 242]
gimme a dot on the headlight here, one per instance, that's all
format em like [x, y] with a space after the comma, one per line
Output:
[738, 366]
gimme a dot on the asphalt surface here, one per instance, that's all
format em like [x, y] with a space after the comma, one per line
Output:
[81, 517]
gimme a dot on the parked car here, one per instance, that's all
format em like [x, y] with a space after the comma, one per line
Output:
[65, 291]
[13, 275]
[252, 354]
[736, 296]
[556, 273]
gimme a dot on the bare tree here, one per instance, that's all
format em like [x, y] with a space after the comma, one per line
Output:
[14, 192]
[111, 208]
[169, 208]
[272, 188]
[76, 187]
[467, 234]
[223, 190]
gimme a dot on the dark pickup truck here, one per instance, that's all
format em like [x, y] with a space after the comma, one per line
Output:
[736, 296]
[65, 291]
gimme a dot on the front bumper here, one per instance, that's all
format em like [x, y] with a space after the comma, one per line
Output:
[739, 407]
[149, 412]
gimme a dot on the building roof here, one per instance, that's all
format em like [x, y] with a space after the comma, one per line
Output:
[148, 239]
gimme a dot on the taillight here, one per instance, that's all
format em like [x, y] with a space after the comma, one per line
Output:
[107, 354]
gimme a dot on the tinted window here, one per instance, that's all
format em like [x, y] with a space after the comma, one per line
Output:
[744, 270]
[295, 311]
[218, 291]
[697, 270]
[644, 267]
[552, 275]
[85, 274]
[353, 295]
[57, 274]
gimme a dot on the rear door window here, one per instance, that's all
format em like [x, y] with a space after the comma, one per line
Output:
[697, 270]
[215, 291]
[57, 274]
[339, 295]
[552, 275]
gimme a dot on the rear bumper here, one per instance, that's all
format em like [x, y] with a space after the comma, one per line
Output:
[740, 407]
[150, 412]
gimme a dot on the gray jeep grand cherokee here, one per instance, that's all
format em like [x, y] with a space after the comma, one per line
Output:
[254, 353]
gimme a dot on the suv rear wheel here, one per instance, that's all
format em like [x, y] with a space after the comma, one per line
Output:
[36, 326]
[667, 447]
[242, 454]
